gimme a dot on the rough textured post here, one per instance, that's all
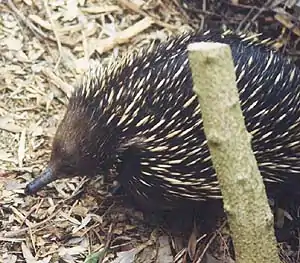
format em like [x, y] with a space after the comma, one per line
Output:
[244, 196]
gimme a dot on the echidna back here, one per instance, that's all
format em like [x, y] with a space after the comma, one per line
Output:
[148, 104]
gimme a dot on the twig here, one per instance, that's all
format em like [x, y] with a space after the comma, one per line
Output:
[260, 11]
[210, 242]
[19, 232]
[181, 9]
[136, 9]
[54, 29]
[244, 20]
[36, 31]
[65, 87]
[124, 36]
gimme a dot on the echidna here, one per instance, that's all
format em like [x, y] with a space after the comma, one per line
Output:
[141, 118]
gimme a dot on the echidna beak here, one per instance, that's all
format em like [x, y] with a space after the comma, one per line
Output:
[38, 183]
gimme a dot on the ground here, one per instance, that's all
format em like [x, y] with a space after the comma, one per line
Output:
[45, 46]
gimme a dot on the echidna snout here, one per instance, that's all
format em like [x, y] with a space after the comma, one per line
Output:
[82, 146]
[38, 183]
[74, 152]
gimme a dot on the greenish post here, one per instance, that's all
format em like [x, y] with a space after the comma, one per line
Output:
[244, 196]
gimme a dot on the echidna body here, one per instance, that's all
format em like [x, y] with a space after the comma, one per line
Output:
[141, 117]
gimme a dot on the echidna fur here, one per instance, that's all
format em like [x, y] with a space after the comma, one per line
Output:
[140, 117]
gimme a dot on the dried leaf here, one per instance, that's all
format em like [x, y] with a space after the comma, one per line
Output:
[101, 9]
[13, 43]
[12, 185]
[71, 12]
[126, 256]
[94, 257]
[83, 224]
[6, 156]
[41, 22]
[164, 253]
[76, 250]
[7, 124]
[192, 244]
[27, 254]
[8, 258]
